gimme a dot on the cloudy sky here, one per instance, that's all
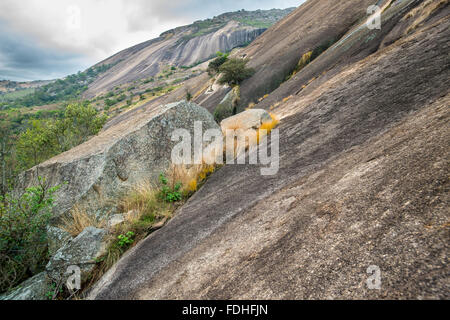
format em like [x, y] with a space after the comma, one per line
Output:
[47, 39]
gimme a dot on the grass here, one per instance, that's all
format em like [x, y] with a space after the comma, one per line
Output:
[253, 136]
[145, 210]
[251, 105]
[303, 62]
[287, 99]
[78, 220]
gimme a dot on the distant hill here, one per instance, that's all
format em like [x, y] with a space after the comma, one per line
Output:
[185, 46]
[11, 86]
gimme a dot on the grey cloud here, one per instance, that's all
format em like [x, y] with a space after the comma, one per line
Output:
[34, 45]
[22, 59]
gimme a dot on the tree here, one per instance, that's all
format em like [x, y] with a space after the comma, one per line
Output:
[82, 121]
[234, 71]
[45, 139]
[36, 144]
[214, 65]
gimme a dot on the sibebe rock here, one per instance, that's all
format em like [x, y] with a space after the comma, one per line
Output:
[95, 174]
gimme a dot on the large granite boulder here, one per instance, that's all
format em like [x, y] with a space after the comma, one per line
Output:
[82, 252]
[93, 176]
[34, 288]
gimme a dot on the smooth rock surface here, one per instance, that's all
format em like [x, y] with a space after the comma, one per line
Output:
[363, 181]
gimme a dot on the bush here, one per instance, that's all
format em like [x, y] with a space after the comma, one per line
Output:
[214, 65]
[235, 71]
[110, 102]
[169, 193]
[23, 238]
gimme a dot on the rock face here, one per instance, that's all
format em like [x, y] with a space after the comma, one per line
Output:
[115, 220]
[185, 46]
[228, 106]
[34, 288]
[99, 172]
[81, 252]
[57, 238]
[363, 180]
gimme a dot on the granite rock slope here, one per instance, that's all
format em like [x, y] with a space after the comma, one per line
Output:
[363, 181]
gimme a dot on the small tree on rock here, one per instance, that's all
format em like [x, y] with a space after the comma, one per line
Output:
[234, 71]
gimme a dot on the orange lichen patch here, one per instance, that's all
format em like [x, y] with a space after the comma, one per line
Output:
[267, 127]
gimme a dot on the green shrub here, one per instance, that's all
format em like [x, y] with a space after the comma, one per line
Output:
[110, 102]
[124, 240]
[121, 97]
[23, 239]
[228, 106]
[169, 193]
[234, 71]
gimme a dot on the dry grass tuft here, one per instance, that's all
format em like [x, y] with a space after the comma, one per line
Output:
[190, 176]
[78, 220]
[251, 105]
[141, 200]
